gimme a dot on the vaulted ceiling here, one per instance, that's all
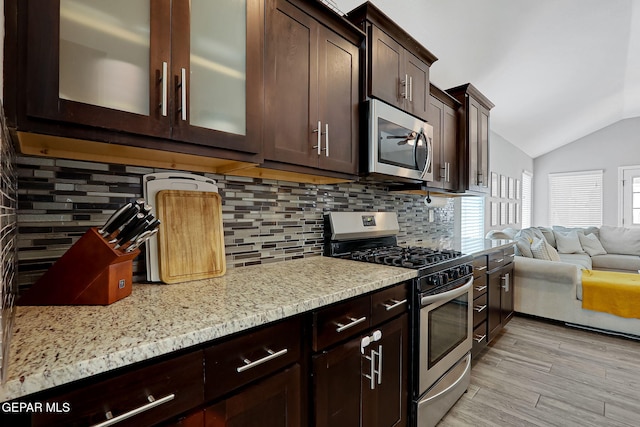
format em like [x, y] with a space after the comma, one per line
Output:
[556, 70]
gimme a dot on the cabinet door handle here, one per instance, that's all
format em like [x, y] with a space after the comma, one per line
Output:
[372, 366]
[326, 140]
[183, 93]
[480, 308]
[484, 267]
[405, 84]
[111, 420]
[479, 338]
[394, 304]
[379, 364]
[318, 146]
[505, 282]
[341, 327]
[410, 89]
[272, 355]
[164, 82]
[481, 288]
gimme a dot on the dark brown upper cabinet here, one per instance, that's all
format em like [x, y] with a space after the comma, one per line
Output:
[179, 70]
[311, 88]
[474, 134]
[397, 66]
[443, 111]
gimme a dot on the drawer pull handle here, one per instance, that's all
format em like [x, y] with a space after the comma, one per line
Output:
[354, 322]
[484, 267]
[499, 260]
[512, 255]
[272, 355]
[394, 304]
[481, 288]
[480, 308]
[479, 338]
[111, 420]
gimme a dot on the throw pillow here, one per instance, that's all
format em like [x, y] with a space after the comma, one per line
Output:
[523, 247]
[591, 244]
[541, 249]
[568, 243]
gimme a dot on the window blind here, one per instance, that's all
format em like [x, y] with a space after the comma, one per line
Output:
[575, 198]
[527, 199]
[472, 217]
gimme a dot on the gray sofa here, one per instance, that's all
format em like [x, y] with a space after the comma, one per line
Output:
[552, 288]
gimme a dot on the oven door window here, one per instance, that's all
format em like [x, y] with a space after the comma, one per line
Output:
[447, 328]
[400, 146]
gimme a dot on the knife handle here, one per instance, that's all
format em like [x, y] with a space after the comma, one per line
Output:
[121, 220]
[113, 217]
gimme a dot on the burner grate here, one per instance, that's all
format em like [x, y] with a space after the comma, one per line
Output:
[408, 257]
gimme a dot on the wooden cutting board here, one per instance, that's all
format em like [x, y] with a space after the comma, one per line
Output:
[190, 238]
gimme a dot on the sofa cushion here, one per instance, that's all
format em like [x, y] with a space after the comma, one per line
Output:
[585, 230]
[523, 247]
[581, 260]
[531, 233]
[548, 234]
[616, 262]
[620, 240]
[568, 242]
[541, 249]
[591, 244]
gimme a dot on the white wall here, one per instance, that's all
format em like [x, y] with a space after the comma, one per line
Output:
[508, 160]
[606, 149]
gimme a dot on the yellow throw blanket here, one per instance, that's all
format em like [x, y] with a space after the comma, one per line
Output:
[611, 292]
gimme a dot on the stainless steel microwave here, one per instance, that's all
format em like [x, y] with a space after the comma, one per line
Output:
[399, 145]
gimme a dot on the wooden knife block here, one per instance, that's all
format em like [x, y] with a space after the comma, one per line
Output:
[91, 272]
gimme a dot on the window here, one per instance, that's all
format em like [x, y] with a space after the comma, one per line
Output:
[527, 198]
[471, 217]
[575, 198]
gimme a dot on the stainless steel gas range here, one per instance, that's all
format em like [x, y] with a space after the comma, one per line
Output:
[441, 307]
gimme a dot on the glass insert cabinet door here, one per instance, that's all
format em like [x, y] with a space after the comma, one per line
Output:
[218, 65]
[218, 72]
[104, 53]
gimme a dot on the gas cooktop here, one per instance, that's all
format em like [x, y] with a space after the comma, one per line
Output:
[371, 237]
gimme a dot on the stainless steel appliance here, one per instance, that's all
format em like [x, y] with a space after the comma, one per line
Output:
[400, 145]
[441, 306]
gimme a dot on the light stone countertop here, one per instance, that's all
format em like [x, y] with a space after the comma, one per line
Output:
[55, 345]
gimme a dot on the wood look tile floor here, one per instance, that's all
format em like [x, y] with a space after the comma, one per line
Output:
[537, 373]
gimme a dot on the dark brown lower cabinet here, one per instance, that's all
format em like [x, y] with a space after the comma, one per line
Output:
[273, 402]
[500, 284]
[357, 385]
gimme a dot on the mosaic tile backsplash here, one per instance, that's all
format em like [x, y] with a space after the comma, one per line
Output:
[264, 220]
[8, 289]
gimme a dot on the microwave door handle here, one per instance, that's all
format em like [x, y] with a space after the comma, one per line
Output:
[427, 165]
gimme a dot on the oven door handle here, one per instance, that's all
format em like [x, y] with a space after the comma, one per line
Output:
[429, 299]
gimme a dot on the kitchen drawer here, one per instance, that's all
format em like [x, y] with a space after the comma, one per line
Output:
[255, 354]
[480, 309]
[496, 259]
[509, 254]
[337, 322]
[389, 303]
[479, 286]
[166, 389]
[479, 266]
[479, 338]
